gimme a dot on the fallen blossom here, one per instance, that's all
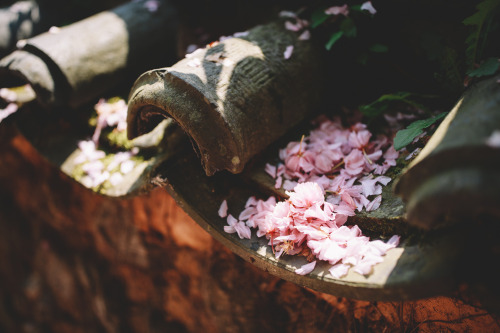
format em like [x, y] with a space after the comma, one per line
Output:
[110, 115]
[306, 35]
[88, 152]
[286, 13]
[21, 43]
[413, 154]
[306, 269]
[223, 209]
[191, 48]
[195, 62]
[240, 34]
[152, 5]
[288, 52]
[9, 109]
[8, 95]
[337, 10]
[239, 227]
[494, 139]
[327, 176]
[54, 30]
[369, 7]
[293, 26]
[95, 172]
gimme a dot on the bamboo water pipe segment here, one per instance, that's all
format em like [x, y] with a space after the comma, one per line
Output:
[19, 21]
[456, 177]
[83, 60]
[233, 98]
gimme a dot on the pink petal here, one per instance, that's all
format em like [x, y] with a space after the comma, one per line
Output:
[306, 35]
[336, 10]
[286, 13]
[243, 230]
[229, 229]
[394, 241]
[494, 139]
[339, 270]
[374, 204]
[369, 7]
[9, 109]
[223, 209]
[270, 170]
[231, 220]
[306, 269]
[292, 26]
[278, 183]
[288, 52]
[247, 213]
[252, 201]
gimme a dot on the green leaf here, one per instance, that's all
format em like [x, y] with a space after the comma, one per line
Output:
[355, 8]
[333, 39]
[348, 27]
[318, 17]
[379, 48]
[380, 105]
[486, 11]
[489, 67]
[406, 136]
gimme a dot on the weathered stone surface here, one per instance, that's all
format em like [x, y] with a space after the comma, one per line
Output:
[75, 261]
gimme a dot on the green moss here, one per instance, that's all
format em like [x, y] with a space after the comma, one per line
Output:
[119, 139]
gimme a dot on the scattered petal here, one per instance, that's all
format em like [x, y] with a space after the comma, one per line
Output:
[369, 7]
[9, 109]
[288, 52]
[306, 35]
[286, 13]
[152, 5]
[306, 268]
[337, 10]
[339, 270]
[21, 43]
[240, 34]
[223, 209]
[494, 139]
[54, 30]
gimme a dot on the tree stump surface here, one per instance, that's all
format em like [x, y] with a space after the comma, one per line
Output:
[76, 261]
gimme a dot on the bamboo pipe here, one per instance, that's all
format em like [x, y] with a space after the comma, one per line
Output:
[86, 58]
[456, 176]
[233, 98]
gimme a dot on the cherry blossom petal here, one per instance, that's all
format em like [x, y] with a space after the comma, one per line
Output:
[337, 10]
[339, 270]
[288, 52]
[293, 26]
[374, 204]
[306, 194]
[279, 182]
[306, 268]
[494, 139]
[223, 209]
[369, 7]
[9, 109]
[306, 35]
[243, 230]
[270, 170]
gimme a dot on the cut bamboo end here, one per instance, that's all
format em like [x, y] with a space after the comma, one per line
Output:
[81, 61]
[456, 177]
[235, 97]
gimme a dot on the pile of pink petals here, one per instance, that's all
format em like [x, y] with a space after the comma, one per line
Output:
[328, 176]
